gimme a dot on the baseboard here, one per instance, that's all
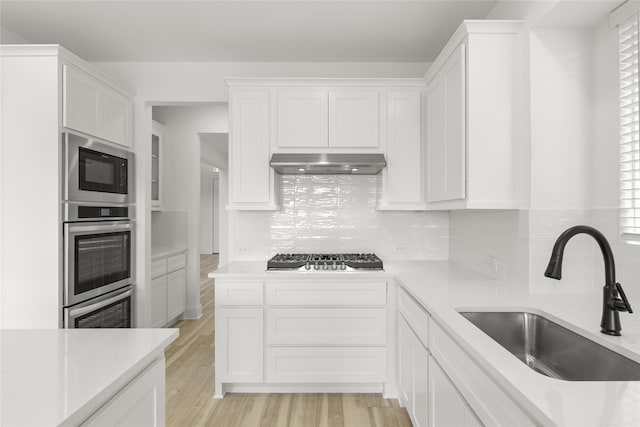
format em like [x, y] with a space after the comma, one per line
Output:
[193, 313]
[302, 388]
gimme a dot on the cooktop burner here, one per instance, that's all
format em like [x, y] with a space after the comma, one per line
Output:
[324, 262]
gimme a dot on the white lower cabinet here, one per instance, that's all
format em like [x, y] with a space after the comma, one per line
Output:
[239, 345]
[139, 403]
[168, 296]
[285, 336]
[413, 374]
[447, 406]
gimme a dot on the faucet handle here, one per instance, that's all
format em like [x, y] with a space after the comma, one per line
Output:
[624, 298]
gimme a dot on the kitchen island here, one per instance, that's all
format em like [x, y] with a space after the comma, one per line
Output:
[484, 379]
[70, 377]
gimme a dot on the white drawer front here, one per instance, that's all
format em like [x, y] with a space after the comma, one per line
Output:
[176, 262]
[239, 293]
[415, 316]
[158, 268]
[327, 293]
[326, 364]
[325, 326]
[492, 405]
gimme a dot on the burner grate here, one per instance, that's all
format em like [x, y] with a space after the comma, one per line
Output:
[325, 261]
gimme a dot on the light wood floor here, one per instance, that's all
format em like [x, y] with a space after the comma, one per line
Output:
[190, 399]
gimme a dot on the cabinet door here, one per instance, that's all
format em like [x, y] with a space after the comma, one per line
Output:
[446, 134]
[402, 182]
[159, 302]
[446, 404]
[471, 419]
[117, 117]
[251, 180]
[176, 293]
[302, 118]
[82, 102]
[157, 180]
[139, 403]
[405, 364]
[239, 345]
[420, 384]
[354, 117]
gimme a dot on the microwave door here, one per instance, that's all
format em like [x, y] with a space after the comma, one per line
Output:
[96, 172]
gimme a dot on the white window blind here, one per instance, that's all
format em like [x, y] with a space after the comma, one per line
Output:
[629, 131]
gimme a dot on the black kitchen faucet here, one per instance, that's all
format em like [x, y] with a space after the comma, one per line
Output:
[613, 297]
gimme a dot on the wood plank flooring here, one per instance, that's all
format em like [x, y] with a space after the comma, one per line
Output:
[190, 402]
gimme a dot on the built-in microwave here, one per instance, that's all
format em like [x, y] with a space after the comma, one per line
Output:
[96, 171]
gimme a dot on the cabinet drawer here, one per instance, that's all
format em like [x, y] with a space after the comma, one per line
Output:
[326, 326]
[415, 316]
[176, 262]
[158, 268]
[492, 405]
[239, 293]
[327, 293]
[326, 364]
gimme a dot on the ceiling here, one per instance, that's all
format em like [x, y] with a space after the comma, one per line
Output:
[244, 31]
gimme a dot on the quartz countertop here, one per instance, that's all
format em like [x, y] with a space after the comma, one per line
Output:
[59, 377]
[166, 251]
[444, 289]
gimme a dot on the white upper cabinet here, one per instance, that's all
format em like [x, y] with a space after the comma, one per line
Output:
[402, 179]
[251, 179]
[473, 132]
[446, 131]
[82, 109]
[354, 118]
[118, 117]
[321, 119]
[302, 118]
[95, 108]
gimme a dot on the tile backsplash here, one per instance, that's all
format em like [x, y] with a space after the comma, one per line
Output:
[336, 213]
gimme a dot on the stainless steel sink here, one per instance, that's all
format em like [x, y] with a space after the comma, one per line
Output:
[553, 350]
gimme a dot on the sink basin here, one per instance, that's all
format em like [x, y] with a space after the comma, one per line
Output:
[553, 350]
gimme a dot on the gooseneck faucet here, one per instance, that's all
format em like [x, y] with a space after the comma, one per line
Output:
[613, 297]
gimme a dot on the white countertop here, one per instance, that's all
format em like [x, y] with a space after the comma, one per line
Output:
[166, 251]
[58, 377]
[442, 288]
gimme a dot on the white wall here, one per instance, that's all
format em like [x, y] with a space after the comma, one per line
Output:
[182, 176]
[336, 213]
[171, 82]
[206, 209]
[8, 36]
[216, 214]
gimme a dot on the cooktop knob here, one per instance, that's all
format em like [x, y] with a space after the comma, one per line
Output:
[343, 266]
[307, 266]
[334, 266]
[316, 266]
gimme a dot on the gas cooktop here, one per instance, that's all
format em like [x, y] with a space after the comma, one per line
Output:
[326, 262]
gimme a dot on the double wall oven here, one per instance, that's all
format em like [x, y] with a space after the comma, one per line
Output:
[98, 234]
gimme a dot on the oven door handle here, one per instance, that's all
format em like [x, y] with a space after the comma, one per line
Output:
[98, 305]
[107, 226]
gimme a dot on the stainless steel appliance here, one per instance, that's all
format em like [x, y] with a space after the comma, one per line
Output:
[325, 262]
[327, 163]
[97, 258]
[96, 171]
[111, 310]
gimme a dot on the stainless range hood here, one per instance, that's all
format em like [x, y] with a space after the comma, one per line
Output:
[327, 164]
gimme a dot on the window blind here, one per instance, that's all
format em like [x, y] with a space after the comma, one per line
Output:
[629, 131]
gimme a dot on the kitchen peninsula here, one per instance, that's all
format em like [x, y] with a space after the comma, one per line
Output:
[70, 377]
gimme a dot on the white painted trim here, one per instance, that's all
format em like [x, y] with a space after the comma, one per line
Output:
[471, 27]
[323, 82]
[301, 388]
[193, 313]
[69, 57]
[622, 12]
